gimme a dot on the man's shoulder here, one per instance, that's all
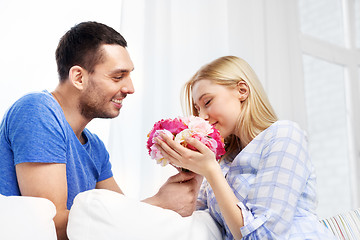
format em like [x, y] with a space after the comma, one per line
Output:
[34, 107]
[33, 98]
[35, 103]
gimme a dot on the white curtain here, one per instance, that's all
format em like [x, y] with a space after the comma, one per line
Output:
[170, 40]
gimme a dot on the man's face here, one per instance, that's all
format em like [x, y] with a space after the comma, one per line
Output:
[105, 89]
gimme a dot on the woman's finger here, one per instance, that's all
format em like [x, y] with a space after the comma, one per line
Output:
[201, 147]
[167, 152]
[181, 150]
[165, 149]
[177, 167]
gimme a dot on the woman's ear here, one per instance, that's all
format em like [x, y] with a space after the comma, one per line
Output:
[76, 76]
[244, 90]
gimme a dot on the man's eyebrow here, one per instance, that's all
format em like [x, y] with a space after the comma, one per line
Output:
[121, 71]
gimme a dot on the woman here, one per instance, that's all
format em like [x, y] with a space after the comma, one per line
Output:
[264, 187]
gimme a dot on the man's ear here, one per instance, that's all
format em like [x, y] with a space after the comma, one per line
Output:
[76, 76]
[244, 90]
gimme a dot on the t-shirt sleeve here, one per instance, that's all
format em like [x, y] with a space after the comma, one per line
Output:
[106, 171]
[100, 156]
[35, 131]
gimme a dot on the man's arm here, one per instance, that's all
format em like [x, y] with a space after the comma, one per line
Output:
[46, 180]
[109, 184]
[179, 193]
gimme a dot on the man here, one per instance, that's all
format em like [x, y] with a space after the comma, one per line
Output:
[45, 149]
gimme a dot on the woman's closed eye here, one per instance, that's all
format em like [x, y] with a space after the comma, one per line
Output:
[207, 102]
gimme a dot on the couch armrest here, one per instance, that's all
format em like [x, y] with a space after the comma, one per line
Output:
[27, 218]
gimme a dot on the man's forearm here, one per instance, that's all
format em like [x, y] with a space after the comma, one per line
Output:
[179, 193]
[152, 201]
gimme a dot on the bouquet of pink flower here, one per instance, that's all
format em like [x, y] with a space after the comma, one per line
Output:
[181, 128]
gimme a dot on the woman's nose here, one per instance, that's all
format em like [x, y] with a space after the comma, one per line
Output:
[204, 115]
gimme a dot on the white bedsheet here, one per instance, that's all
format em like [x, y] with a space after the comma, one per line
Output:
[102, 214]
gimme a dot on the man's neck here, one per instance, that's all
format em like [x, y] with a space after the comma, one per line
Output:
[68, 101]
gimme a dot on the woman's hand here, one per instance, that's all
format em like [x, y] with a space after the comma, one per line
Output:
[202, 161]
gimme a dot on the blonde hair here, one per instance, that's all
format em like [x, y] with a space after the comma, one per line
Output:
[257, 113]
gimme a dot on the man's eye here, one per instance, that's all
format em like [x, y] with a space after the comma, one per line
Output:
[118, 77]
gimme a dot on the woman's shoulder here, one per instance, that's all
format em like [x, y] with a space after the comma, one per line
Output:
[285, 124]
[284, 129]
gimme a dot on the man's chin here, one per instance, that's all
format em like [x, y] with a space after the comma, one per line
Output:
[109, 115]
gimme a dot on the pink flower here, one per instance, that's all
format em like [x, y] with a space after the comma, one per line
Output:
[181, 128]
[200, 126]
[220, 150]
[207, 141]
[172, 125]
[212, 144]
[158, 132]
[155, 153]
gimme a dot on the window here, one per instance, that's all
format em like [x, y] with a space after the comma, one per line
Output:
[322, 19]
[357, 21]
[327, 130]
[330, 41]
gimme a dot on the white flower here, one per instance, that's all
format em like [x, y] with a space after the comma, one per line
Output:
[181, 136]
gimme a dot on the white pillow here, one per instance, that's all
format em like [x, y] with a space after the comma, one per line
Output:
[27, 218]
[102, 214]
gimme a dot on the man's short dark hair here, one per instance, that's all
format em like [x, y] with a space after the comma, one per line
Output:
[81, 46]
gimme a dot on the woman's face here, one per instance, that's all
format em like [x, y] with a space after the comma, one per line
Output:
[218, 104]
